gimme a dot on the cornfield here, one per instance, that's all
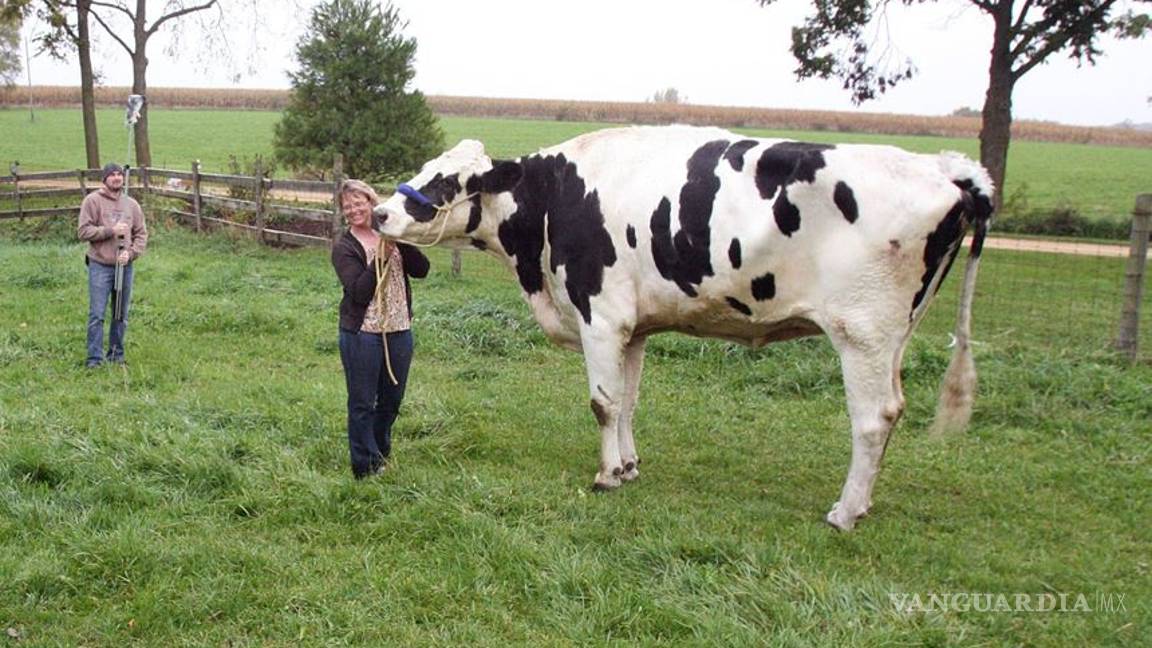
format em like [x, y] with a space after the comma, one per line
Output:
[613, 112]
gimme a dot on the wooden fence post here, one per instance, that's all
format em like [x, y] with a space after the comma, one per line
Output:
[82, 175]
[1128, 338]
[260, 198]
[19, 199]
[196, 192]
[337, 178]
[145, 186]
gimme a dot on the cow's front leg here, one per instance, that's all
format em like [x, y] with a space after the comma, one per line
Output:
[633, 368]
[604, 361]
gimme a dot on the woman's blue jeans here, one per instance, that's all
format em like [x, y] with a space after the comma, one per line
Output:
[101, 280]
[373, 401]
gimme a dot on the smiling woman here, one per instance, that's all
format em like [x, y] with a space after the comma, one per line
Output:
[375, 327]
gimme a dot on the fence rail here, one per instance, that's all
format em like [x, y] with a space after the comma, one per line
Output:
[259, 200]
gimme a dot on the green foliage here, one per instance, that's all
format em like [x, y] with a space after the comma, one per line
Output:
[256, 166]
[838, 39]
[351, 96]
[10, 67]
[1061, 221]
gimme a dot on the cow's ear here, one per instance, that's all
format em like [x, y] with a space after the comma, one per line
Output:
[503, 176]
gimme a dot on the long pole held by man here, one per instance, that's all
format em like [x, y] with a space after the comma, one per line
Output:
[113, 225]
[131, 116]
[118, 282]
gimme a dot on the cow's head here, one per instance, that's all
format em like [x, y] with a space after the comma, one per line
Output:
[445, 200]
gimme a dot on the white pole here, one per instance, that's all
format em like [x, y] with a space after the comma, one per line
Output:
[28, 70]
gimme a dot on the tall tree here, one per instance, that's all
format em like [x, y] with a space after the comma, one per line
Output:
[60, 40]
[1025, 33]
[108, 15]
[351, 96]
[10, 47]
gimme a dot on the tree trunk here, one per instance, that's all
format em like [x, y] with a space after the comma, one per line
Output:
[996, 128]
[87, 93]
[140, 87]
[140, 83]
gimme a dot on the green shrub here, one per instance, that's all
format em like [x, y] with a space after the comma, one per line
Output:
[1061, 221]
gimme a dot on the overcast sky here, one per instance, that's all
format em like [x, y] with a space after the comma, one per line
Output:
[718, 52]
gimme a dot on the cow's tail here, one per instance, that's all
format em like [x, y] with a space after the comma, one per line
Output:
[958, 390]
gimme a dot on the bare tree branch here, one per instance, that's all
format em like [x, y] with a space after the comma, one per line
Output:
[1021, 19]
[117, 7]
[108, 29]
[176, 14]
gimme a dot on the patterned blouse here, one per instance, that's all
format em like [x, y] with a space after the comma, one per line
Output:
[391, 315]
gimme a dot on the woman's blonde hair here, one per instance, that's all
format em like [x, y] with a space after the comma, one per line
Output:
[352, 186]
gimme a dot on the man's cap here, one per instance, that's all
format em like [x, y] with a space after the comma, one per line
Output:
[109, 169]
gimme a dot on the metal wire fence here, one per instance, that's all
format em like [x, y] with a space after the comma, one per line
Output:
[1067, 297]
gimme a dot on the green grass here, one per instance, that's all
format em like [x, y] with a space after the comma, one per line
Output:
[201, 495]
[1097, 181]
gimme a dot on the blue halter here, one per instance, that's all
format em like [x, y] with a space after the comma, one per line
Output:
[414, 194]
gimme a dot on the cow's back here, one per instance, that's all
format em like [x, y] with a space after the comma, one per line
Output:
[721, 234]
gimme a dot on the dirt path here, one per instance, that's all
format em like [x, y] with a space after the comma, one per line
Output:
[1057, 247]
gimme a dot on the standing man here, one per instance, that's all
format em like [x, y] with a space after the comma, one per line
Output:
[113, 225]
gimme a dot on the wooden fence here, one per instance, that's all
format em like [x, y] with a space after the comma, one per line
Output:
[308, 207]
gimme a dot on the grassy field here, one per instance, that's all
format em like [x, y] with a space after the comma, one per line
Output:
[201, 496]
[1098, 181]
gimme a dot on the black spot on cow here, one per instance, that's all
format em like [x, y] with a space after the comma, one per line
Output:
[600, 412]
[440, 190]
[734, 254]
[686, 258]
[738, 305]
[474, 215]
[479, 244]
[764, 287]
[979, 207]
[735, 153]
[845, 199]
[552, 186]
[630, 233]
[787, 162]
[942, 247]
[787, 214]
[663, 251]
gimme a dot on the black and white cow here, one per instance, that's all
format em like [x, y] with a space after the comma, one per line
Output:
[622, 233]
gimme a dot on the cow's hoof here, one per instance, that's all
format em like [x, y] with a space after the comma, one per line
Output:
[606, 482]
[630, 471]
[839, 518]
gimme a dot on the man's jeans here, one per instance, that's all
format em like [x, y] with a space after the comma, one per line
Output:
[101, 279]
[373, 401]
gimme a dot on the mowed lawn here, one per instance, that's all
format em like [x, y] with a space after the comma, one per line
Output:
[1097, 181]
[201, 495]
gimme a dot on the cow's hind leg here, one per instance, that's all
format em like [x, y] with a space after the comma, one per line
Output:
[633, 368]
[875, 403]
[604, 361]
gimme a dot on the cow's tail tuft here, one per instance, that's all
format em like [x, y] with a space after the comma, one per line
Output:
[958, 390]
